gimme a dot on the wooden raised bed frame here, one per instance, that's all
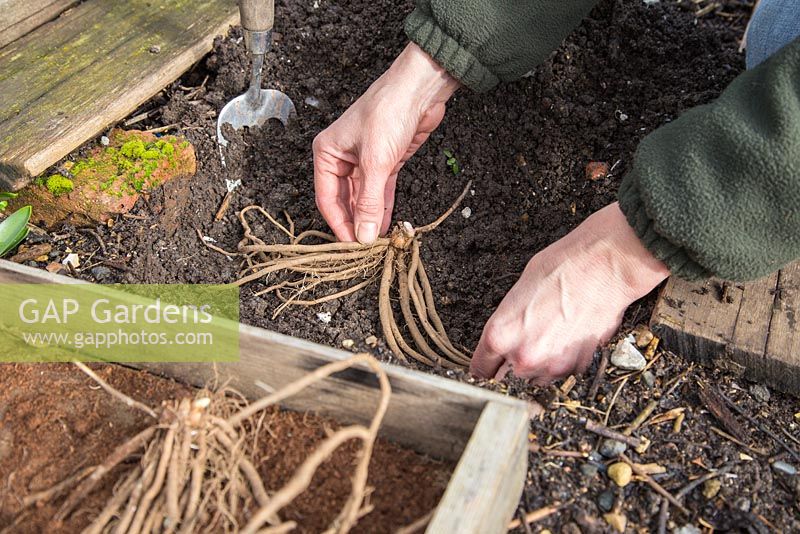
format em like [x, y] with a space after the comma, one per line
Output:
[486, 433]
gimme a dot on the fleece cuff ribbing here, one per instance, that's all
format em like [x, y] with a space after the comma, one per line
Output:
[676, 258]
[459, 62]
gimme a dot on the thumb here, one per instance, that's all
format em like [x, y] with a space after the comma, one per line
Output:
[369, 205]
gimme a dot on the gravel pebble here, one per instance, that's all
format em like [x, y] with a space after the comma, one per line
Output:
[627, 357]
[611, 448]
[783, 467]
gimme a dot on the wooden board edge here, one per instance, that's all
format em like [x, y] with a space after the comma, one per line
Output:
[484, 491]
[11, 272]
[11, 33]
[139, 94]
[432, 414]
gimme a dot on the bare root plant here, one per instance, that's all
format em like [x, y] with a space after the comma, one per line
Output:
[394, 260]
[197, 471]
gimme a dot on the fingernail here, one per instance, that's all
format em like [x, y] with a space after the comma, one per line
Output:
[366, 232]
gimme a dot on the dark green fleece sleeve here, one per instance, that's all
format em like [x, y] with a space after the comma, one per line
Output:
[717, 191]
[484, 42]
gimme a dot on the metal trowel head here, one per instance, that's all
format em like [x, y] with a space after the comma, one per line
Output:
[241, 112]
[256, 106]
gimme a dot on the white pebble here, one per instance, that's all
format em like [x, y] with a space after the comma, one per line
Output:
[627, 357]
[231, 185]
[325, 317]
[72, 259]
[104, 140]
[311, 101]
[466, 212]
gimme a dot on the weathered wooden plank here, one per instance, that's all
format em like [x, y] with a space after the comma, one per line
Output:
[18, 17]
[485, 477]
[753, 330]
[782, 359]
[693, 320]
[431, 414]
[64, 82]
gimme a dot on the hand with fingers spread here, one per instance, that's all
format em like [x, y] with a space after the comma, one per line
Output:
[570, 298]
[357, 158]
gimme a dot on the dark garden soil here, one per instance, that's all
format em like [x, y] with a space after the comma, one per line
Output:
[54, 421]
[628, 69]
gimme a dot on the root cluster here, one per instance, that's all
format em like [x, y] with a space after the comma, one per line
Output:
[314, 268]
[197, 473]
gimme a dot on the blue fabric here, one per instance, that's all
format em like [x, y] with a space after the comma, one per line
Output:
[775, 24]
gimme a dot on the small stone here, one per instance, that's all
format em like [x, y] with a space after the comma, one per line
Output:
[627, 357]
[53, 267]
[760, 393]
[616, 521]
[606, 500]
[312, 101]
[687, 529]
[348, 343]
[642, 335]
[649, 379]
[155, 49]
[711, 488]
[466, 212]
[371, 341]
[589, 470]
[595, 170]
[72, 259]
[104, 140]
[742, 504]
[621, 473]
[325, 317]
[100, 272]
[611, 448]
[783, 467]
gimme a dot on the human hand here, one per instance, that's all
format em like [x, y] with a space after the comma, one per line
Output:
[357, 158]
[570, 299]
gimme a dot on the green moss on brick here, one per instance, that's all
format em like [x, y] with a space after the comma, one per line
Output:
[59, 185]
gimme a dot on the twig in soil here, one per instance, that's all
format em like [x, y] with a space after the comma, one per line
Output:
[162, 128]
[722, 433]
[614, 400]
[538, 515]
[677, 382]
[716, 405]
[135, 217]
[641, 418]
[601, 372]
[663, 515]
[603, 430]
[195, 471]
[395, 261]
[223, 207]
[753, 421]
[536, 448]
[97, 236]
[658, 488]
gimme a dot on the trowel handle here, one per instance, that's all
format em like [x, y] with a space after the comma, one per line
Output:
[257, 15]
